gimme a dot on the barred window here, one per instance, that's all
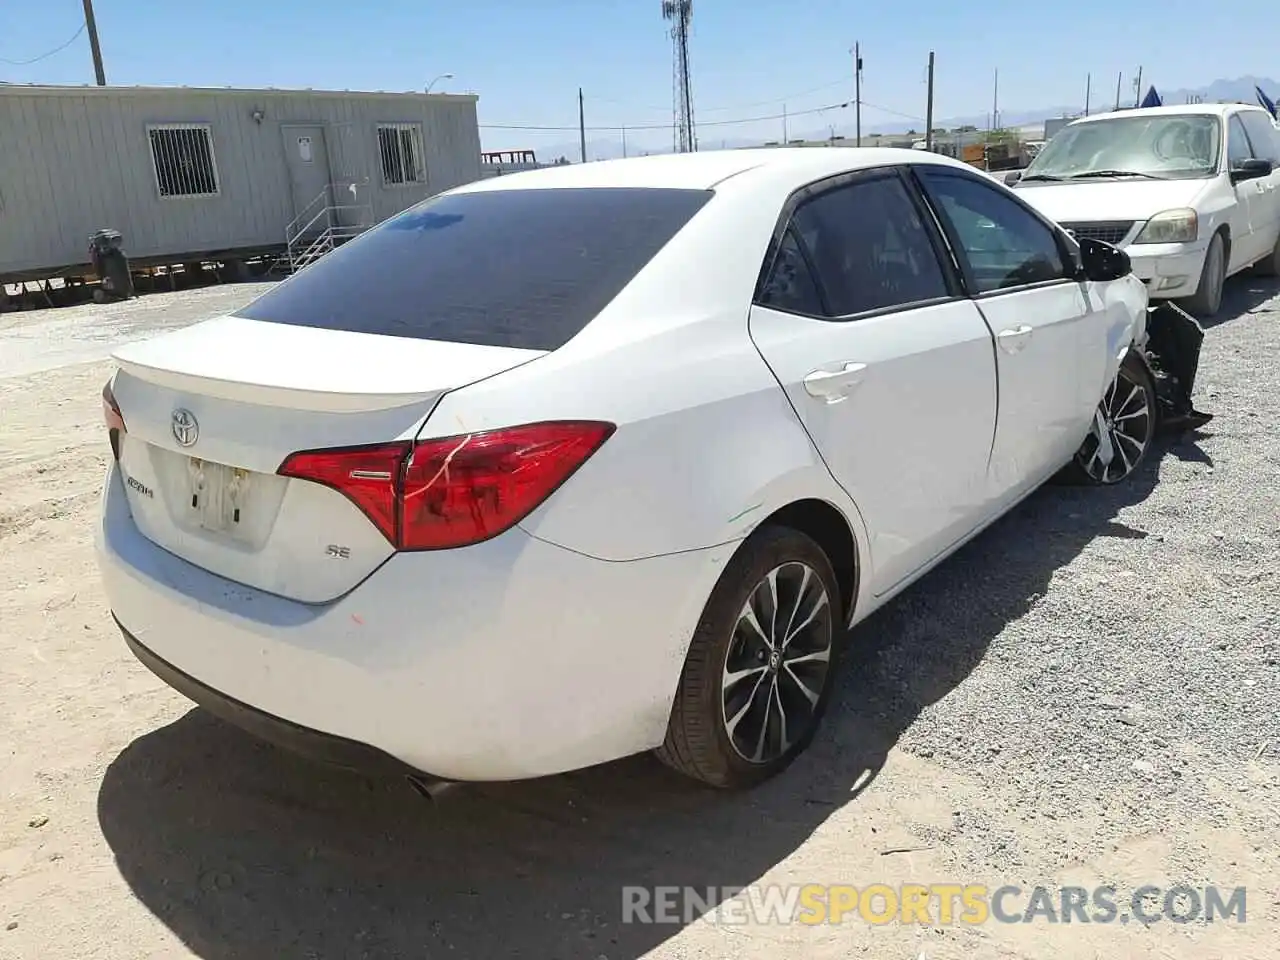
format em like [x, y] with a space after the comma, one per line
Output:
[400, 145]
[183, 157]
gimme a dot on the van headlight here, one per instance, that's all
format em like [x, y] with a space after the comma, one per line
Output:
[1171, 226]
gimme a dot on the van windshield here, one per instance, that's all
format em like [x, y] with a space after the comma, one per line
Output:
[1164, 147]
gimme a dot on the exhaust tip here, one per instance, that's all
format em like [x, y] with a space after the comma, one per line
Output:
[430, 789]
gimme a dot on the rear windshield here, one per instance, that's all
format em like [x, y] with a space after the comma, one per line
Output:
[504, 268]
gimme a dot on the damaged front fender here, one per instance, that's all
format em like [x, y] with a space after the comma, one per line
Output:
[1171, 350]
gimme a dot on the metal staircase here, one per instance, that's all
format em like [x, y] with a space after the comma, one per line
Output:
[325, 223]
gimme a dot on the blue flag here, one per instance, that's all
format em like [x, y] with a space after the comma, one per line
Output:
[1152, 99]
[1266, 101]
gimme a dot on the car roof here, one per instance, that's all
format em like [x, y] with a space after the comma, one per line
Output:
[1174, 110]
[707, 169]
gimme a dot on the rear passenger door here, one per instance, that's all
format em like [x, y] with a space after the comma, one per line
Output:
[888, 366]
[1052, 345]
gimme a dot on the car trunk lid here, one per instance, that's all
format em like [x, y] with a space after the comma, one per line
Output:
[212, 411]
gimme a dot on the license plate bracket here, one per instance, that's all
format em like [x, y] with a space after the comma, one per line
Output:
[217, 495]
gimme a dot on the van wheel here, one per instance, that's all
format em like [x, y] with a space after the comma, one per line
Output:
[759, 671]
[1207, 300]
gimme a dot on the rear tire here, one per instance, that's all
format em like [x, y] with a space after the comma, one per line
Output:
[1207, 300]
[750, 700]
[1128, 415]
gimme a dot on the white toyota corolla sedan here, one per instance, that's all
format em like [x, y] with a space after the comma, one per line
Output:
[567, 465]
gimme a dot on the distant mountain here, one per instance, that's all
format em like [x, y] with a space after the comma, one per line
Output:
[1240, 89]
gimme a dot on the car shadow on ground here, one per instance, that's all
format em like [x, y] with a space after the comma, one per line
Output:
[243, 851]
[1243, 294]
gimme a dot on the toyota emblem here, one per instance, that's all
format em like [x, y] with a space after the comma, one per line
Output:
[185, 427]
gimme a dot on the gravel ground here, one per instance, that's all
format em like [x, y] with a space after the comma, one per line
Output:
[1127, 639]
[1085, 694]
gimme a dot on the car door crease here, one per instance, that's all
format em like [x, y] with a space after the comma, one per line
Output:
[995, 359]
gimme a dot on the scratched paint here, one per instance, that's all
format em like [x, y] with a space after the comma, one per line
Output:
[739, 516]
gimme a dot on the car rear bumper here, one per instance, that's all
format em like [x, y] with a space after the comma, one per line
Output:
[314, 744]
[509, 659]
[1170, 270]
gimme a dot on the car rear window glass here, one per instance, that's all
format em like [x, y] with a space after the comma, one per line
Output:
[506, 268]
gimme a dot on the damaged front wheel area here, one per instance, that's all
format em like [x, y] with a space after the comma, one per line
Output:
[1124, 426]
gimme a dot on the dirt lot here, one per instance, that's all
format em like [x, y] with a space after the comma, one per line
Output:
[1085, 695]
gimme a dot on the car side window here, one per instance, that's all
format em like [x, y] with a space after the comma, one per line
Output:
[790, 286]
[1262, 135]
[1237, 143]
[1004, 244]
[869, 247]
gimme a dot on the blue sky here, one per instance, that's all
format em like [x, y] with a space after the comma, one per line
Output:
[751, 58]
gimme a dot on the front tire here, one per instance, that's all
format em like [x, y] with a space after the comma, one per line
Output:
[758, 675]
[1124, 427]
[1207, 300]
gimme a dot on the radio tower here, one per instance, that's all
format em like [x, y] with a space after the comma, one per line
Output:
[680, 12]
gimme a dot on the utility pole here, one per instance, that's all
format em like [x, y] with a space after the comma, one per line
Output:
[1088, 91]
[995, 120]
[1137, 89]
[857, 92]
[928, 110]
[785, 141]
[995, 101]
[624, 143]
[1119, 80]
[582, 125]
[92, 26]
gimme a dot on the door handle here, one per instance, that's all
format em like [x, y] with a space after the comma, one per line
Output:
[833, 385]
[1014, 339]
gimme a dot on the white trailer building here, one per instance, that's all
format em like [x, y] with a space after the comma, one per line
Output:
[192, 174]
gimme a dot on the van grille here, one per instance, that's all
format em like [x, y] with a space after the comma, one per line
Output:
[1108, 231]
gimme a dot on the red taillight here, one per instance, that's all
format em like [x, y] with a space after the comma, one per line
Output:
[460, 490]
[368, 476]
[111, 416]
[454, 491]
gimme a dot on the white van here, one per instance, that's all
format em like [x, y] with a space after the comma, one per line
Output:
[1188, 192]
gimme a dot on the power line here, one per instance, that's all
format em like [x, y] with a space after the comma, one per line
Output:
[896, 113]
[667, 126]
[45, 56]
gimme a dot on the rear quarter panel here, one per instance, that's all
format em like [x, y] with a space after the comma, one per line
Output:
[707, 444]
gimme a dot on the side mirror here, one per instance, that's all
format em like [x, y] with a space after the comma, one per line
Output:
[1251, 169]
[1101, 262]
[1012, 177]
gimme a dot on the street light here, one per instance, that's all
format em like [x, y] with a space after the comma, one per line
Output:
[443, 76]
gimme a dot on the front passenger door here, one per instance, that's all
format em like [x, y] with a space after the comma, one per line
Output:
[1052, 346]
[1264, 143]
[1248, 243]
